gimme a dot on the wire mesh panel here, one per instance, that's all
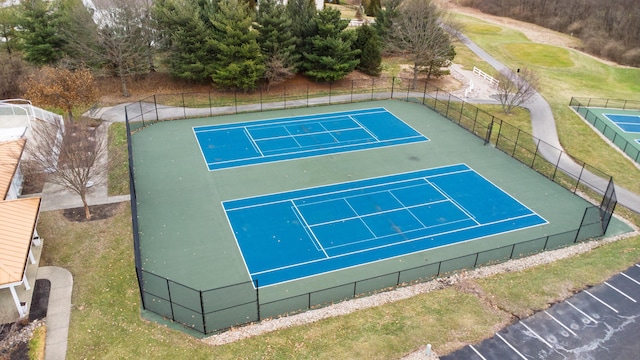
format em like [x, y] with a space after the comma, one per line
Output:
[230, 317]
[561, 240]
[284, 306]
[457, 264]
[377, 283]
[336, 293]
[494, 256]
[426, 272]
[528, 248]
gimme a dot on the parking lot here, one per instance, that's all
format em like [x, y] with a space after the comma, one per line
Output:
[602, 322]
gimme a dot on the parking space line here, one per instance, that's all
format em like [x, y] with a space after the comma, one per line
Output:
[536, 334]
[638, 265]
[630, 278]
[561, 324]
[477, 352]
[623, 294]
[512, 348]
[602, 302]
[581, 312]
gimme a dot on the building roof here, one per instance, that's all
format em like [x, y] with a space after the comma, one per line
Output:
[17, 224]
[10, 153]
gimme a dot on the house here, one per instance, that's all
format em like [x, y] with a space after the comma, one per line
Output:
[18, 219]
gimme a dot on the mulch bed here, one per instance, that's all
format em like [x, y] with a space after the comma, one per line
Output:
[98, 212]
[37, 311]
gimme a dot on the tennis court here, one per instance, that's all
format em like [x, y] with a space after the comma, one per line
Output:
[627, 123]
[231, 145]
[296, 234]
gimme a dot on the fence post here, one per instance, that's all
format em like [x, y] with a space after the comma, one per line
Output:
[330, 89]
[210, 105]
[235, 99]
[284, 96]
[184, 107]
[393, 83]
[255, 282]
[373, 81]
[487, 138]
[173, 317]
[204, 320]
[351, 91]
[446, 114]
[155, 106]
[260, 98]
[424, 93]
[515, 144]
[499, 131]
[142, 113]
[578, 180]
[535, 154]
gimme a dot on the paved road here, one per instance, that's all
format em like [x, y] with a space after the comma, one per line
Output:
[544, 128]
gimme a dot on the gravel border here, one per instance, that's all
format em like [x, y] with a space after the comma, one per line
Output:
[347, 307]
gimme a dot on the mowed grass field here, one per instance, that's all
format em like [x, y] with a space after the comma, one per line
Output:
[106, 321]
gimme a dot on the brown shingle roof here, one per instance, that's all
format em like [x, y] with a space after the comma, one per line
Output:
[10, 153]
[17, 224]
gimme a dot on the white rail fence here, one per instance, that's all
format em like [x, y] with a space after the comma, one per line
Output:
[486, 76]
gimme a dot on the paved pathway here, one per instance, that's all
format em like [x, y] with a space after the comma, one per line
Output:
[58, 311]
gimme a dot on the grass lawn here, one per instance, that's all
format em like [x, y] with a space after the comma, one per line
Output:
[105, 318]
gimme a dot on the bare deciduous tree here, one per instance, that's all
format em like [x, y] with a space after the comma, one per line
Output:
[71, 154]
[417, 34]
[515, 88]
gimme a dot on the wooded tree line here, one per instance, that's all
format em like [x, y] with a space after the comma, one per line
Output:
[607, 28]
[232, 43]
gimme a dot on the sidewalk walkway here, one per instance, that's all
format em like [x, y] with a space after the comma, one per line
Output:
[58, 311]
[57, 197]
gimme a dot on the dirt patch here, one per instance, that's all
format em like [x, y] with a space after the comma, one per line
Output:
[98, 212]
[33, 183]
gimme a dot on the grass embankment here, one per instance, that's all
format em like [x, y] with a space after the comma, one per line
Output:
[105, 320]
[118, 178]
[565, 73]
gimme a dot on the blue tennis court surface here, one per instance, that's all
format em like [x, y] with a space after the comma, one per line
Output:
[239, 144]
[628, 123]
[302, 233]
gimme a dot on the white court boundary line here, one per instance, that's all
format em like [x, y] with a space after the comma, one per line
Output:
[386, 185]
[293, 155]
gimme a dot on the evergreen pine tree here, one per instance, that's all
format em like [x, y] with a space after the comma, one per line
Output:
[184, 34]
[331, 56]
[368, 43]
[237, 61]
[42, 42]
[302, 13]
[277, 43]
